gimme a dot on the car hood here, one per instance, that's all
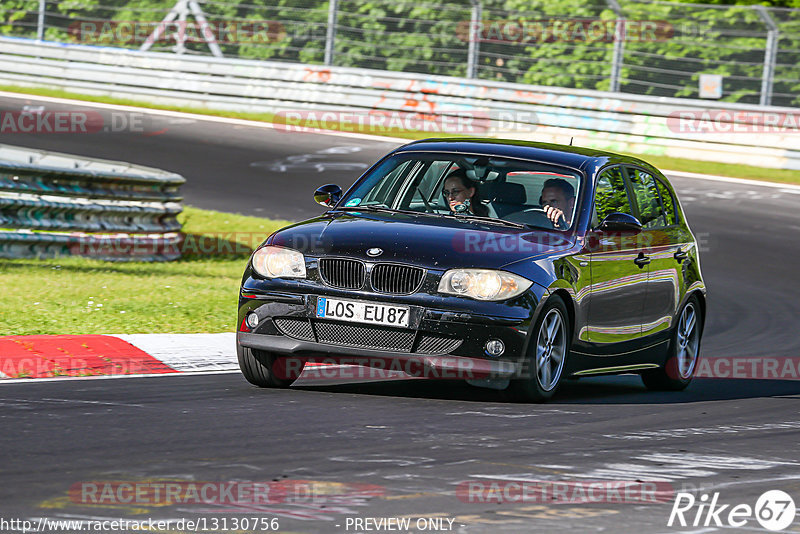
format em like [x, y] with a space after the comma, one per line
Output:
[434, 243]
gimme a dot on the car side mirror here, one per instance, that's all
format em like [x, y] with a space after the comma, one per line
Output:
[328, 195]
[620, 222]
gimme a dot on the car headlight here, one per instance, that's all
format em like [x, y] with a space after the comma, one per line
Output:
[483, 284]
[278, 262]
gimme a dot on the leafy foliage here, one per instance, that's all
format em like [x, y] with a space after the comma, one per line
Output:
[721, 37]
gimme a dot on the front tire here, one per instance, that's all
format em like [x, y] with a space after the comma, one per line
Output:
[546, 356]
[264, 369]
[684, 352]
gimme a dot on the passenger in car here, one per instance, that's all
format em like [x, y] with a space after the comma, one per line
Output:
[558, 201]
[461, 194]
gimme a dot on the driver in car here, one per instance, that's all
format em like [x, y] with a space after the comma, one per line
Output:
[558, 202]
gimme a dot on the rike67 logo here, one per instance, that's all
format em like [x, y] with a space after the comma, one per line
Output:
[774, 510]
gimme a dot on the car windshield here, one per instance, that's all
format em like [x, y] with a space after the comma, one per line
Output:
[518, 191]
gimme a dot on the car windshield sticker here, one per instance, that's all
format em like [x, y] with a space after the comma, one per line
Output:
[353, 202]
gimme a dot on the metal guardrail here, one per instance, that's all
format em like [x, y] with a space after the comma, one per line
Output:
[611, 121]
[45, 194]
[651, 47]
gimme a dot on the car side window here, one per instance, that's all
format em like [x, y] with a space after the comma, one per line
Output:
[391, 182]
[429, 183]
[668, 202]
[647, 198]
[610, 195]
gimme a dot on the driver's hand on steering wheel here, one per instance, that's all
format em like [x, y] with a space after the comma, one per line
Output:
[556, 216]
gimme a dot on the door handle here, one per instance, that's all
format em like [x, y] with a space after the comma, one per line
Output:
[680, 255]
[642, 260]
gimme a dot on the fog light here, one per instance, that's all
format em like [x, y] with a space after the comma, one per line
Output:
[495, 347]
[252, 320]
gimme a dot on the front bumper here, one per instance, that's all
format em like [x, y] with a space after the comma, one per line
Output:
[417, 365]
[464, 354]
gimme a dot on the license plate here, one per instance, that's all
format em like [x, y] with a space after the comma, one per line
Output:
[362, 312]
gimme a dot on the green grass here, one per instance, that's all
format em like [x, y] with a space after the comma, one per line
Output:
[722, 169]
[83, 296]
[661, 162]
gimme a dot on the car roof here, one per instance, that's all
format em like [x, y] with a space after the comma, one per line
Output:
[571, 156]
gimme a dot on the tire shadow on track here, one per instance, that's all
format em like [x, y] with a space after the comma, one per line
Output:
[626, 389]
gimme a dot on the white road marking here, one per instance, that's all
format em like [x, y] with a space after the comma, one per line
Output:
[679, 466]
[315, 161]
[701, 531]
[403, 461]
[189, 352]
[78, 401]
[708, 488]
[194, 116]
[714, 461]
[109, 377]
[697, 431]
[515, 416]
[377, 138]
[742, 181]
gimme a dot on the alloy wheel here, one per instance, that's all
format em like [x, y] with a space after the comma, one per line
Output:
[688, 341]
[551, 346]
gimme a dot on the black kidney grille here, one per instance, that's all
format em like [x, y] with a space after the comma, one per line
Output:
[435, 344]
[296, 328]
[342, 273]
[396, 279]
[369, 337]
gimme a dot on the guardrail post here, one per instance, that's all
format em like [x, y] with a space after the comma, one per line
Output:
[181, 10]
[770, 56]
[474, 38]
[40, 20]
[619, 46]
[330, 35]
[205, 28]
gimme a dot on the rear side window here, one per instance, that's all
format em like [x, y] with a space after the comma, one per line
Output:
[647, 198]
[424, 193]
[667, 202]
[610, 195]
[391, 182]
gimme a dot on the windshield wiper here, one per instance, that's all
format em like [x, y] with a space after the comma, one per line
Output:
[366, 207]
[471, 217]
[460, 216]
[373, 207]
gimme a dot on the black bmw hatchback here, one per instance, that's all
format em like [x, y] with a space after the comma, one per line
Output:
[512, 265]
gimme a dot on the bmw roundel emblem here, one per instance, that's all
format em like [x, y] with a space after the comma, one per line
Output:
[375, 251]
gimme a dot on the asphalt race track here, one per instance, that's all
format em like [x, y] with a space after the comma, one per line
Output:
[411, 449]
